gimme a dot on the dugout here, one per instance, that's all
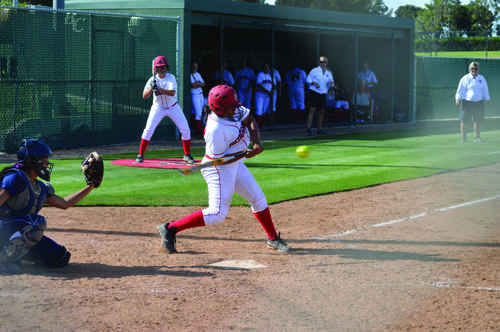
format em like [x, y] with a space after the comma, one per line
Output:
[223, 30]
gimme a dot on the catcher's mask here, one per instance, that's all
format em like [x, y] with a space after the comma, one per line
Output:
[160, 61]
[221, 98]
[31, 152]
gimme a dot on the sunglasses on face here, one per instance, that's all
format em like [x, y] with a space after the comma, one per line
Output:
[323, 62]
[474, 69]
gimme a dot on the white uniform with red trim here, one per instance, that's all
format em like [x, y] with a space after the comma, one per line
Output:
[197, 100]
[163, 106]
[224, 136]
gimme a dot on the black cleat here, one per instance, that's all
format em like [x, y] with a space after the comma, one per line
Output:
[168, 237]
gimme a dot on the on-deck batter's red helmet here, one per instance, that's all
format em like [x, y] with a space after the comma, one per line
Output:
[160, 61]
[221, 98]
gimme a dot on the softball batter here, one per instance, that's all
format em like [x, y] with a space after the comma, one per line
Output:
[230, 127]
[164, 104]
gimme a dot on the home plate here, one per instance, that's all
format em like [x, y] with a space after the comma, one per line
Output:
[239, 264]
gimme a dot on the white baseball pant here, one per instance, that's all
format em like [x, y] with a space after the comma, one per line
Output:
[175, 113]
[222, 182]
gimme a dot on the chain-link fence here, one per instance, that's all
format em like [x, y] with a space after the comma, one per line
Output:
[76, 78]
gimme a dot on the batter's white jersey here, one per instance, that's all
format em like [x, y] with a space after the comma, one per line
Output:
[224, 136]
[169, 83]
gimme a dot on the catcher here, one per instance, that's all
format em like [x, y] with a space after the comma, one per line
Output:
[22, 196]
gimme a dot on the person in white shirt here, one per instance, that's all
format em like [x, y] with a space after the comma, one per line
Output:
[265, 86]
[320, 80]
[197, 100]
[471, 92]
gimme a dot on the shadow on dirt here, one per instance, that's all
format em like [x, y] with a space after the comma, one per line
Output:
[98, 270]
[375, 255]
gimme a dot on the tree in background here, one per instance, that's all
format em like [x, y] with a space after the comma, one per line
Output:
[375, 7]
[482, 18]
[460, 21]
[408, 11]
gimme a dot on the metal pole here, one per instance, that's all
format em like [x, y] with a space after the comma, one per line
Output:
[221, 60]
[271, 103]
[56, 4]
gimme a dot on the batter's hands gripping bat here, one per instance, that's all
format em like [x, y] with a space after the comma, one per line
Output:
[213, 162]
[154, 85]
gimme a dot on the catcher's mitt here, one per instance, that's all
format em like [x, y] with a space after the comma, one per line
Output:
[93, 169]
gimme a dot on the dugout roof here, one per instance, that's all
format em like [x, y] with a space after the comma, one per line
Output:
[223, 30]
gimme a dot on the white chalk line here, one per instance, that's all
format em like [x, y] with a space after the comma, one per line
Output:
[441, 284]
[423, 214]
[490, 153]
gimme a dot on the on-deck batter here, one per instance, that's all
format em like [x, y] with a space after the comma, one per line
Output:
[230, 127]
[164, 104]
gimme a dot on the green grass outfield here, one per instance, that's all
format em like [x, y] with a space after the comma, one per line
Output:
[462, 54]
[337, 163]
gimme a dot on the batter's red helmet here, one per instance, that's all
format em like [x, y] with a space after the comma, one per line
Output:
[221, 98]
[160, 61]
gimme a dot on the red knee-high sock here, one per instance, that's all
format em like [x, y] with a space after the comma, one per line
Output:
[301, 115]
[193, 220]
[264, 217]
[197, 125]
[143, 147]
[186, 144]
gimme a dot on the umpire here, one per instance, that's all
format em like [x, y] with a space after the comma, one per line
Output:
[471, 93]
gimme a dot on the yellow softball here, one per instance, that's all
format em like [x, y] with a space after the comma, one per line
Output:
[303, 151]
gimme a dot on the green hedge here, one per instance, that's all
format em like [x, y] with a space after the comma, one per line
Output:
[458, 44]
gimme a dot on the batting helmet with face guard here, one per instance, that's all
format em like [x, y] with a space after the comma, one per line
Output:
[160, 61]
[31, 153]
[221, 98]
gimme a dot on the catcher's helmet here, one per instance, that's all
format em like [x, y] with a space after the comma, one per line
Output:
[221, 98]
[31, 153]
[160, 61]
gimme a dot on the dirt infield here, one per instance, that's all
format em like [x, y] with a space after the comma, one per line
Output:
[418, 255]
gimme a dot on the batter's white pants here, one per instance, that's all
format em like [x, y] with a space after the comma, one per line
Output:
[223, 181]
[175, 113]
[197, 102]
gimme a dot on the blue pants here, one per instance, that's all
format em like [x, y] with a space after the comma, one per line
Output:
[46, 252]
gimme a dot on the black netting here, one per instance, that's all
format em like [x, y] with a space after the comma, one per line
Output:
[76, 79]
